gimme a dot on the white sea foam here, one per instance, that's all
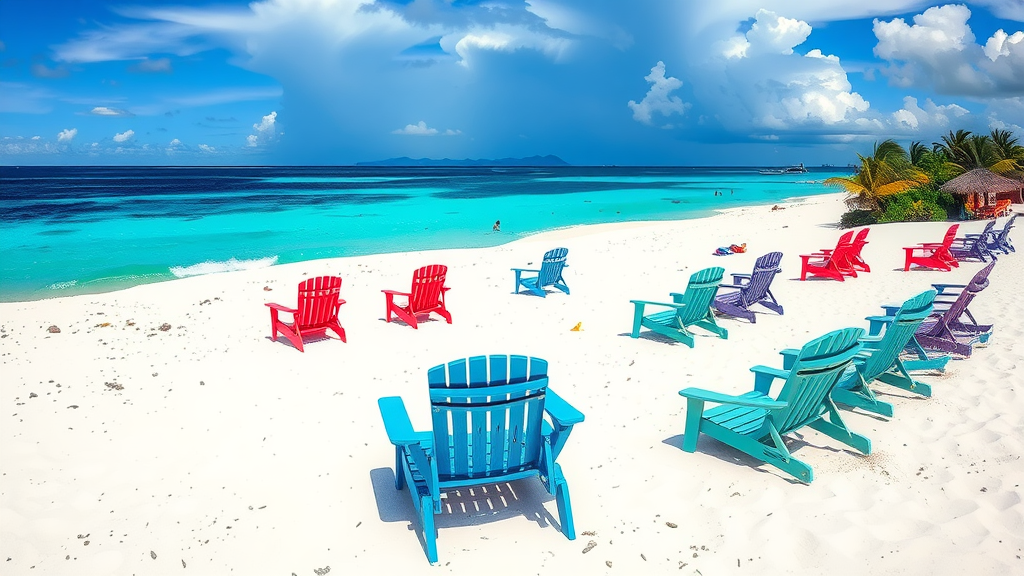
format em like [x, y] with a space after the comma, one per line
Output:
[62, 285]
[232, 265]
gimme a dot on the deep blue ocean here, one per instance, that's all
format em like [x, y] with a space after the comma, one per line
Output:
[74, 230]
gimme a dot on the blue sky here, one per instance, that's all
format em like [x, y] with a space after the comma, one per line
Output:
[657, 82]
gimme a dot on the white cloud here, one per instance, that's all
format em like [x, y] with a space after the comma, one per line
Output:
[105, 111]
[36, 137]
[67, 135]
[939, 51]
[124, 136]
[418, 129]
[659, 97]
[175, 143]
[931, 117]
[205, 148]
[265, 130]
[504, 38]
[450, 132]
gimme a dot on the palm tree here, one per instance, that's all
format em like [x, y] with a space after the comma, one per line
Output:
[887, 171]
[969, 151]
[1006, 146]
[918, 152]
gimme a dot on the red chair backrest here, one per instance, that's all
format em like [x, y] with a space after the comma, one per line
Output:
[318, 300]
[427, 283]
[947, 241]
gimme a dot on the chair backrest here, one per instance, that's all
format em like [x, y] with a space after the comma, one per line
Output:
[898, 334]
[487, 415]
[860, 240]
[765, 269]
[700, 291]
[551, 268]
[845, 241]
[1002, 234]
[318, 300]
[427, 283]
[947, 240]
[818, 367]
[957, 308]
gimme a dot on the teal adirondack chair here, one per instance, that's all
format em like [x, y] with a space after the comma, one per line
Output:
[754, 422]
[880, 360]
[691, 308]
[488, 428]
[550, 274]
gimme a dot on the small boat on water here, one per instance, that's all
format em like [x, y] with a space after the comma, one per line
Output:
[791, 170]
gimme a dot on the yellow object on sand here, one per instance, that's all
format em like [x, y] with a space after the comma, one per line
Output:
[577, 328]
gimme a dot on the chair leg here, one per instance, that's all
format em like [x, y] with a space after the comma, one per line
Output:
[694, 411]
[638, 317]
[564, 505]
[399, 469]
[429, 531]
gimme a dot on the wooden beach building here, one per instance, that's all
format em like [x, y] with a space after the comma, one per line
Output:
[985, 194]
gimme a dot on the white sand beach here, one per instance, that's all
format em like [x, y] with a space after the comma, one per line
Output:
[207, 448]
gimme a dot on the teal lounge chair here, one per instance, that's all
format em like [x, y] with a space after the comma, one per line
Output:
[550, 274]
[879, 360]
[691, 308]
[488, 427]
[755, 422]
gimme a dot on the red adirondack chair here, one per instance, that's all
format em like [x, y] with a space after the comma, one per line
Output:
[832, 263]
[316, 312]
[855, 259]
[426, 296]
[933, 255]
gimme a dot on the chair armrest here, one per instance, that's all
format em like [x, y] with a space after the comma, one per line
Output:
[280, 308]
[665, 304]
[396, 293]
[397, 423]
[524, 270]
[890, 309]
[941, 288]
[736, 286]
[561, 411]
[709, 396]
[736, 278]
[789, 357]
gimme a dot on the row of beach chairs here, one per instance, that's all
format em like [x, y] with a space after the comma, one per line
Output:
[495, 419]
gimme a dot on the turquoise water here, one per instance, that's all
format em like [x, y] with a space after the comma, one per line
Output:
[73, 230]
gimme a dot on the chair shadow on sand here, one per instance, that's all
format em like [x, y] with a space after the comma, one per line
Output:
[794, 442]
[655, 337]
[470, 506]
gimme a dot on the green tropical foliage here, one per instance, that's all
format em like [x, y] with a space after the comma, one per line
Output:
[886, 172]
[894, 184]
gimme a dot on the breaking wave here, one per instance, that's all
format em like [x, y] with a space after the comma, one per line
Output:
[231, 265]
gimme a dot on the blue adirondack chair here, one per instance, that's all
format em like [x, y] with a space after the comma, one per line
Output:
[879, 360]
[749, 289]
[945, 331]
[691, 308]
[488, 428]
[755, 422]
[550, 274]
[998, 239]
[974, 245]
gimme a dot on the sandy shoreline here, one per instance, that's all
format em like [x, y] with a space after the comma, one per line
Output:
[216, 450]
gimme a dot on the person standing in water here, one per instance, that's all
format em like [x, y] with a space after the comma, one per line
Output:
[497, 226]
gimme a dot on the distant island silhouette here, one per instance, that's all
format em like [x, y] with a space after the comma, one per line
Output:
[548, 160]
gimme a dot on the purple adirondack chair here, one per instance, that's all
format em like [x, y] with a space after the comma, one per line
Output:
[974, 245]
[945, 331]
[749, 289]
[998, 239]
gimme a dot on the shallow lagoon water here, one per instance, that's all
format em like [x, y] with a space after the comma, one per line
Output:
[73, 230]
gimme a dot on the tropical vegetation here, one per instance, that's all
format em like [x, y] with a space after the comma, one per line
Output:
[897, 184]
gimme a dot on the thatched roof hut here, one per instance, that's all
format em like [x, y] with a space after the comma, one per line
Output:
[987, 185]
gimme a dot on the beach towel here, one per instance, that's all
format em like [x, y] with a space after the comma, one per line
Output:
[722, 251]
